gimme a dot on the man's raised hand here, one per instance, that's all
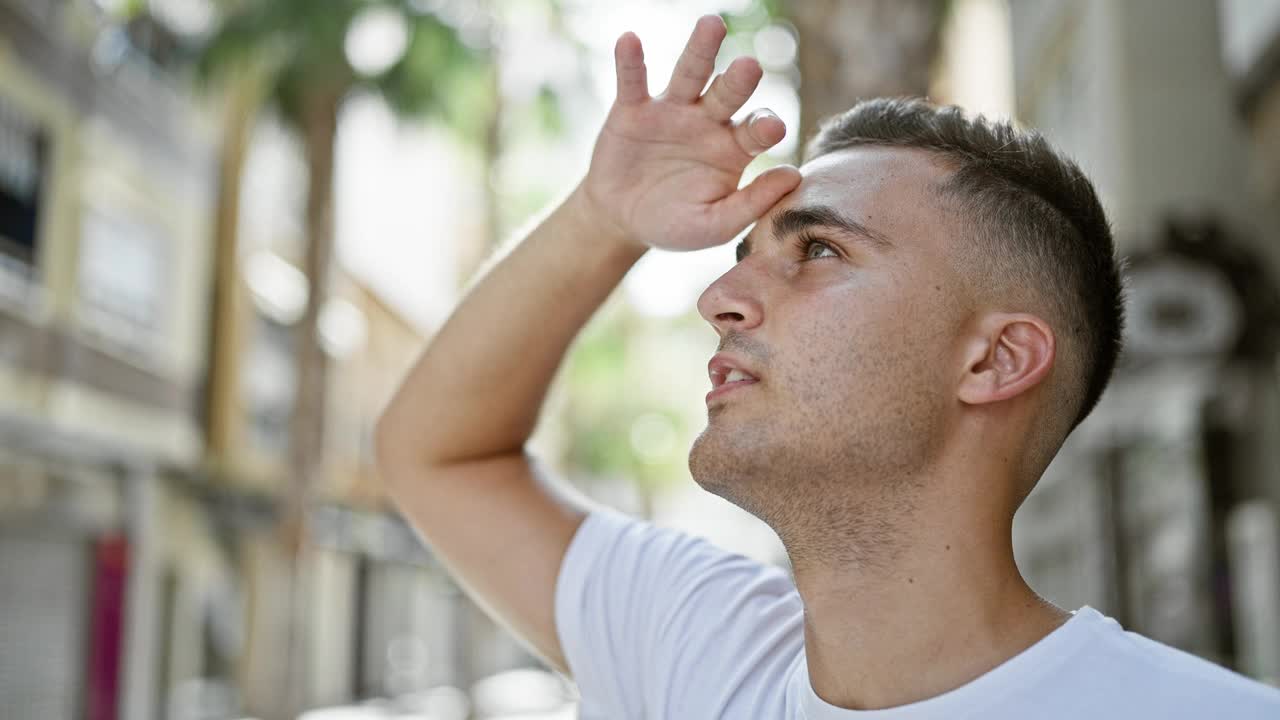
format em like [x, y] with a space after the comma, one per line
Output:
[665, 169]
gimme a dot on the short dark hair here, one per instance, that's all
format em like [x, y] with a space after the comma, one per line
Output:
[1037, 212]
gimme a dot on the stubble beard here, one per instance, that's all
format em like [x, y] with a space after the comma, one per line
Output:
[833, 498]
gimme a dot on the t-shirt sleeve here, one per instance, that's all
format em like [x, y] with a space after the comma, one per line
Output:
[657, 623]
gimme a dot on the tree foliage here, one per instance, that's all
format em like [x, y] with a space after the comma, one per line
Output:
[301, 47]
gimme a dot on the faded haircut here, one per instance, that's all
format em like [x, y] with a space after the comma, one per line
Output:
[1035, 219]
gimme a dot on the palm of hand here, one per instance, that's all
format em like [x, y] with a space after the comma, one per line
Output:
[665, 170]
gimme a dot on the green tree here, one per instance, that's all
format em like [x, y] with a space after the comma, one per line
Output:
[292, 56]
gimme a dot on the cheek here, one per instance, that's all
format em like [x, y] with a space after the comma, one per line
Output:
[828, 353]
[863, 357]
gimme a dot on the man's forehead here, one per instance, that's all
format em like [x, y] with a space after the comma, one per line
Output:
[868, 171]
[878, 186]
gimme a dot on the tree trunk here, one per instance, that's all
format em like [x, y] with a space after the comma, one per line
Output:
[472, 256]
[226, 343]
[856, 50]
[306, 448]
[224, 414]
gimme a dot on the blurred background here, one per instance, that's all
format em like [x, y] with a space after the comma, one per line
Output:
[227, 227]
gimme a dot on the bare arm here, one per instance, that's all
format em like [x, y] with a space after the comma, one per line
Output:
[451, 443]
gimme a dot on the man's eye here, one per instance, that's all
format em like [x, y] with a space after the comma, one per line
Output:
[809, 246]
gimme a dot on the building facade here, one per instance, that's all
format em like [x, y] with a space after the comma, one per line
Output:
[142, 573]
[104, 198]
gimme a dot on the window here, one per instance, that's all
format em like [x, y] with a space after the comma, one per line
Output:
[23, 156]
[123, 278]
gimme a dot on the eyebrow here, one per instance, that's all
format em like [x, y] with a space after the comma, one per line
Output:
[794, 220]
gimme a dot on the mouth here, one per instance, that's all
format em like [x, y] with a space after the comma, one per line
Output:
[727, 374]
[725, 388]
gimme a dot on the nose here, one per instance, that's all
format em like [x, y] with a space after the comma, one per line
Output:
[729, 303]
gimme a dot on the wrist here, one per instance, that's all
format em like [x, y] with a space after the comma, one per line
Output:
[595, 224]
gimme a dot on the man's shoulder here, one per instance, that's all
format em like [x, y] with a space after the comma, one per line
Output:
[612, 537]
[1181, 666]
[647, 614]
[616, 559]
[1148, 671]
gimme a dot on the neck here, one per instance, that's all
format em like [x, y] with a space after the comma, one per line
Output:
[938, 604]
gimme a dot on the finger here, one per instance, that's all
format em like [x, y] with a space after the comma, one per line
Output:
[759, 131]
[633, 80]
[698, 59]
[735, 212]
[730, 90]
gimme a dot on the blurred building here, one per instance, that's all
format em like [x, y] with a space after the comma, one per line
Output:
[1162, 509]
[142, 454]
[104, 199]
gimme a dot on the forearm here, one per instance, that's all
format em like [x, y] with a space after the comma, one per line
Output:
[478, 388]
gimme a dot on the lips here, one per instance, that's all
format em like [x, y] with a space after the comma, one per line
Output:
[724, 369]
[727, 373]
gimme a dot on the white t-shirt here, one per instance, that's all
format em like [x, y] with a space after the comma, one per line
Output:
[655, 623]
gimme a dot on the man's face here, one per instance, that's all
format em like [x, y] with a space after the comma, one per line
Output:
[851, 337]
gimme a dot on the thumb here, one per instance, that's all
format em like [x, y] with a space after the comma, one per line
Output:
[738, 210]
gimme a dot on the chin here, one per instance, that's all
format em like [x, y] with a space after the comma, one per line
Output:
[706, 464]
[726, 471]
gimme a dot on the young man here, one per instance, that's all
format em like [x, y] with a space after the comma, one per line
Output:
[921, 315]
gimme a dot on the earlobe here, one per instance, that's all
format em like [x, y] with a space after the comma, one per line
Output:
[1012, 354]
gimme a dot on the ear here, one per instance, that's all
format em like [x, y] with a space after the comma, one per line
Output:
[1011, 353]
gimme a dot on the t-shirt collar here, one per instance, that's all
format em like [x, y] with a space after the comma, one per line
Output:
[1015, 673]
